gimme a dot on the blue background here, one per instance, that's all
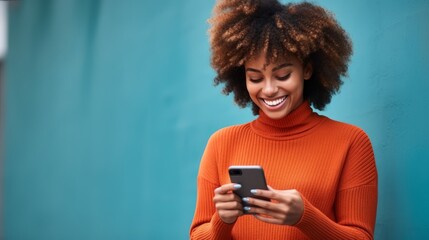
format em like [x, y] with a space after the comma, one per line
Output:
[109, 104]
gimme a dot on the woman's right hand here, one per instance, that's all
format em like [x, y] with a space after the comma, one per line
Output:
[228, 204]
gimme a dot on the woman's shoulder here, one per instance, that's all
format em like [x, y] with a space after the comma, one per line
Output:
[231, 132]
[345, 129]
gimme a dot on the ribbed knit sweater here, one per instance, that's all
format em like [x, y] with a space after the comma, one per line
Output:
[330, 163]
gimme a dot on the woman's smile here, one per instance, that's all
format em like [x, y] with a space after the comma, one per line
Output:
[275, 103]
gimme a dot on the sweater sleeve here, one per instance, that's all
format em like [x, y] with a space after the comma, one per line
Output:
[207, 223]
[356, 200]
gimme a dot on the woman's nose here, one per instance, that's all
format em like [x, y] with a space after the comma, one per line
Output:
[270, 88]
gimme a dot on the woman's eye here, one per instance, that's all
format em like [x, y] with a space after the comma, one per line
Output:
[255, 80]
[284, 77]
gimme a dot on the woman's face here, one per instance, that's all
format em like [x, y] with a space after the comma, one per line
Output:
[276, 88]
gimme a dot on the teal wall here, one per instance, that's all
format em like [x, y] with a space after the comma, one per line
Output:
[109, 105]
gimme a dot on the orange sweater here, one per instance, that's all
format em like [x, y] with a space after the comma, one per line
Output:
[330, 163]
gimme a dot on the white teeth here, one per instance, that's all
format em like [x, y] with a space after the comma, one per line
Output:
[274, 102]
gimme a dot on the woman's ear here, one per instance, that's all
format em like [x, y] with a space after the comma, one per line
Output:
[308, 71]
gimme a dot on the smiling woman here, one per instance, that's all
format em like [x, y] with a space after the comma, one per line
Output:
[277, 89]
[283, 59]
[242, 30]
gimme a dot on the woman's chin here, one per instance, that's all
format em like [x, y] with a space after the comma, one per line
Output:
[276, 114]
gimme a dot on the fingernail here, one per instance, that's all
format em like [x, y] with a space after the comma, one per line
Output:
[237, 186]
[254, 191]
[246, 208]
[245, 199]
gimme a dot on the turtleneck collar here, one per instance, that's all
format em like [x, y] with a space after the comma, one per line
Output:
[295, 124]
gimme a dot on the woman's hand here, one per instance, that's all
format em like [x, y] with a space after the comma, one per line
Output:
[286, 206]
[228, 205]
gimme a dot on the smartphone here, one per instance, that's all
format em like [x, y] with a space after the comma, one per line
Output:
[250, 177]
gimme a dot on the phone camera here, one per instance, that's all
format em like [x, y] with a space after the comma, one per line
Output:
[235, 172]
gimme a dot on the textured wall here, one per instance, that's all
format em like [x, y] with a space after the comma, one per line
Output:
[109, 105]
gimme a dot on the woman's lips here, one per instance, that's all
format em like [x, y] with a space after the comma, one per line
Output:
[273, 103]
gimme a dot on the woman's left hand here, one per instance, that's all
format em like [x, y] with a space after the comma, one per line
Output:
[285, 207]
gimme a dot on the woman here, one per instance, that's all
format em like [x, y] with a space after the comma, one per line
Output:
[283, 59]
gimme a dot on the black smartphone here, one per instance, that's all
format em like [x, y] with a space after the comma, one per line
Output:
[249, 177]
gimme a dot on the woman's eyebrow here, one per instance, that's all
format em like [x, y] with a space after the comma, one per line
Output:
[252, 70]
[282, 66]
[274, 69]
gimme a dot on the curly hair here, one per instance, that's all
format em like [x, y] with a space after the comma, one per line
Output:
[241, 29]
